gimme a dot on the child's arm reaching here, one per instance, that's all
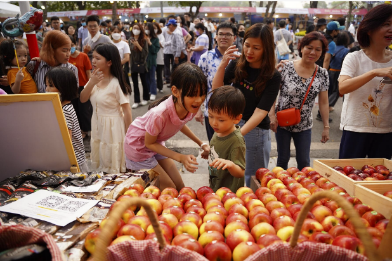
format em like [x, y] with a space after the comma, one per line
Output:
[235, 170]
[204, 146]
[15, 87]
[189, 161]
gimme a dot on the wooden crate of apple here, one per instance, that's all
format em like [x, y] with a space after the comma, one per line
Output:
[230, 225]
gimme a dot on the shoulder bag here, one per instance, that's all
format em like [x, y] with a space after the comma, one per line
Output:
[292, 116]
[281, 45]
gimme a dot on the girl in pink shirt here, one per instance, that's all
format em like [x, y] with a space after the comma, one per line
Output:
[145, 139]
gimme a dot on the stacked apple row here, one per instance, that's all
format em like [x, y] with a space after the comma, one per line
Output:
[326, 222]
[366, 173]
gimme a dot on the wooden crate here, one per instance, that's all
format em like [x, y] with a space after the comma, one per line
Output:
[372, 194]
[254, 183]
[325, 168]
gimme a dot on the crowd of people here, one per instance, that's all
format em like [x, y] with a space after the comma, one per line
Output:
[236, 81]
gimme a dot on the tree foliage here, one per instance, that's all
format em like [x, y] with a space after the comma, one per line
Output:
[191, 4]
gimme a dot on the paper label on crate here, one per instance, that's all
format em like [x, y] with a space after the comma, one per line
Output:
[51, 207]
[96, 186]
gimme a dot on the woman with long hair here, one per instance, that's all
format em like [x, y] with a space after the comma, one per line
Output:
[255, 75]
[201, 44]
[153, 49]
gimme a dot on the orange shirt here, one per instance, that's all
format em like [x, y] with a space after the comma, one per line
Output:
[27, 85]
[82, 62]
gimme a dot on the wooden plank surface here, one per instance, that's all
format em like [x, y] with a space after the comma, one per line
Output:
[254, 183]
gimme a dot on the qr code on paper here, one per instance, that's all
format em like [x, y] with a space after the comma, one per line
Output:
[72, 206]
[51, 201]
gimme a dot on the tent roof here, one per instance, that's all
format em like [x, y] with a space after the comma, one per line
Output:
[8, 10]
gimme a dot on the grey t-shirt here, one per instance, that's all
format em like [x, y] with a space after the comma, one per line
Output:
[286, 35]
[101, 39]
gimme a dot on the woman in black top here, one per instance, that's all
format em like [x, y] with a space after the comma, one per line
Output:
[255, 75]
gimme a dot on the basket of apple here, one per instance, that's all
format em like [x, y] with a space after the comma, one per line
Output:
[227, 225]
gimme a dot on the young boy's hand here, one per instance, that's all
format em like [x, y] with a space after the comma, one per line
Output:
[206, 151]
[222, 164]
[189, 162]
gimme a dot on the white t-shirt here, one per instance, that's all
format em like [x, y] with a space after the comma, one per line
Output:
[367, 109]
[160, 53]
[123, 48]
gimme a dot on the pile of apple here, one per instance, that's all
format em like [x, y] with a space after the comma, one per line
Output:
[230, 225]
[366, 173]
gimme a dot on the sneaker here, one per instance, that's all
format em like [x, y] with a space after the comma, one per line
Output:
[144, 102]
[152, 97]
[135, 105]
[318, 117]
[160, 91]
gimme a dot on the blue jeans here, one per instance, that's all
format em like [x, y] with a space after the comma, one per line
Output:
[151, 79]
[302, 142]
[258, 148]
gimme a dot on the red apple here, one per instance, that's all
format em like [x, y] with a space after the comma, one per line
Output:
[186, 227]
[122, 239]
[132, 192]
[253, 203]
[227, 196]
[362, 209]
[209, 236]
[141, 221]
[388, 194]
[298, 191]
[262, 217]
[169, 219]
[267, 240]
[184, 198]
[248, 196]
[273, 182]
[322, 237]
[127, 215]
[331, 221]
[192, 216]
[166, 230]
[212, 203]
[320, 212]
[348, 242]
[261, 229]
[307, 170]
[172, 202]
[132, 230]
[221, 192]
[238, 236]
[293, 186]
[340, 230]
[260, 173]
[264, 181]
[310, 226]
[189, 191]
[350, 225]
[282, 192]
[200, 211]
[306, 181]
[328, 185]
[192, 245]
[321, 181]
[232, 201]
[191, 203]
[294, 208]
[309, 215]
[211, 225]
[277, 212]
[170, 191]
[369, 171]
[214, 216]
[220, 209]
[234, 217]
[261, 191]
[373, 217]
[274, 204]
[267, 197]
[245, 249]
[234, 226]
[258, 210]
[240, 209]
[217, 251]
[348, 169]
[202, 191]
[164, 197]
[337, 168]
[138, 187]
[210, 196]
[283, 221]
[153, 190]
[292, 170]
[289, 200]
[243, 190]
[179, 238]
[374, 232]
[119, 224]
[147, 195]
[175, 210]
[339, 213]
[91, 240]
[153, 236]
[382, 225]
[288, 180]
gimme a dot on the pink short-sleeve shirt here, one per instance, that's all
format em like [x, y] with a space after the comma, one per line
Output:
[161, 121]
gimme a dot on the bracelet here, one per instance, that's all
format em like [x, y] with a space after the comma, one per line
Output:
[327, 127]
[205, 143]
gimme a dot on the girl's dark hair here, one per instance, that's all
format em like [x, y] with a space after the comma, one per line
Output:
[267, 68]
[205, 29]
[7, 53]
[182, 19]
[310, 37]
[373, 20]
[141, 39]
[343, 39]
[189, 79]
[64, 80]
[227, 99]
[158, 27]
[110, 53]
[150, 27]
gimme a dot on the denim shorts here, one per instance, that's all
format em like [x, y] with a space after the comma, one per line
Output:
[149, 163]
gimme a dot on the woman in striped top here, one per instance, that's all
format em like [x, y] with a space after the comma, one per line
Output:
[55, 52]
[63, 81]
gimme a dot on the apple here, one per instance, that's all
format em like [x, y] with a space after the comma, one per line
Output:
[216, 216]
[277, 212]
[127, 215]
[341, 230]
[244, 249]
[264, 181]
[153, 236]
[337, 168]
[147, 195]
[375, 233]
[306, 181]
[380, 167]
[373, 217]
[227, 196]
[303, 197]
[192, 216]
[175, 210]
[274, 204]
[369, 171]
[248, 197]
[200, 211]
[220, 209]
[273, 182]
[202, 191]
[292, 170]
[378, 176]
[253, 203]
[298, 191]
[179, 238]
[260, 172]
[348, 242]
[301, 238]
[320, 212]
[192, 245]
[153, 190]
[261, 191]
[283, 174]
[285, 233]
[293, 186]
[351, 226]
[388, 194]
[210, 196]
[267, 197]
[184, 198]
[294, 208]
[142, 212]
[122, 239]
[166, 230]
[217, 251]
[239, 208]
[238, 236]
[123, 197]
[276, 170]
[211, 225]
[339, 213]
[243, 190]
[169, 219]
[277, 186]
[119, 224]
[382, 225]
[376, 242]
[172, 202]
[170, 191]
[307, 170]
[283, 221]
[132, 192]
[189, 191]
[315, 177]
[191, 203]
[328, 185]
[310, 226]
[155, 204]
[321, 181]
[370, 179]
[138, 187]
[332, 205]
[261, 229]
[236, 216]
[212, 203]
[348, 169]
[91, 240]
[210, 236]
[289, 180]
[322, 237]
[338, 189]
[262, 217]
[331, 221]
[289, 200]
[132, 230]
[363, 175]
[232, 201]
[164, 197]
[141, 221]
[235, 225]
[267, 240]
[308, 215]
[221, 192]
[299, 174]
[258, 210]
[186, 227]
[362, 209]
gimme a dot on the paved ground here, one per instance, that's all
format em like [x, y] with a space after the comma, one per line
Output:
[182, 144]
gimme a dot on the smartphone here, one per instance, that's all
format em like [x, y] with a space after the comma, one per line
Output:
[386, 80]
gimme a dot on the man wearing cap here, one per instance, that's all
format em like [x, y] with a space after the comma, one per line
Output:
[321, 24]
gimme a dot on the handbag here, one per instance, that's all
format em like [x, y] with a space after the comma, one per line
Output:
[282, 47]
[138, 67]
[292, 116]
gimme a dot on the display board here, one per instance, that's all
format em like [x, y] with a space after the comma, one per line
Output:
[33, 134]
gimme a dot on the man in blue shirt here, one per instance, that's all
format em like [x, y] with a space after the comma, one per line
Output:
[209, 63]
[333, 29]
[82, 33]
